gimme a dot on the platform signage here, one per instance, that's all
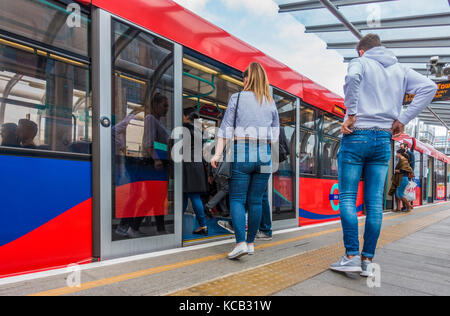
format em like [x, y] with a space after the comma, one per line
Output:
[442, 94]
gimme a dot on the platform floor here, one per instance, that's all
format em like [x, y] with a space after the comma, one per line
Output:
[414, 259]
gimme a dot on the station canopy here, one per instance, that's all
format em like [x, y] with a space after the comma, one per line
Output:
[415, 30]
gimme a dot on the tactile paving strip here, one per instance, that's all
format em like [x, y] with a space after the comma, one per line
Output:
[277, 276]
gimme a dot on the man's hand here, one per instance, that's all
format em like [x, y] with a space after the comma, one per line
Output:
[397, 129]
[347, 125]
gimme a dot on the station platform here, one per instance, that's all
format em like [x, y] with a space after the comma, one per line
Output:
[413, 256]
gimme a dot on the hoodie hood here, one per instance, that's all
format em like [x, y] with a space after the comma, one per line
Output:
[382, 55]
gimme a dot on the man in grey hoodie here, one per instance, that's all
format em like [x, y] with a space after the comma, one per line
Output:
[374, 89]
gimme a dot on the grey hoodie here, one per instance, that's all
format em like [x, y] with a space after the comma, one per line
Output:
[375, 87]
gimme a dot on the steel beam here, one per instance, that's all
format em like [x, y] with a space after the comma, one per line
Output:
[314, 4]
[334, 10]
[437, 117]
[403, 43]
[440, 19]
[413, 59]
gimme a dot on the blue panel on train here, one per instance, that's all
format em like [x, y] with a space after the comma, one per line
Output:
[36, 190]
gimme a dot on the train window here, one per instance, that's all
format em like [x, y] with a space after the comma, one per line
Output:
[308, 117]
[45, 100]
[308, 152]
[440, 180]
[207, 90]
[329, 150]
[331, 126]
[143, 119]
[48, 22]
[284, 179]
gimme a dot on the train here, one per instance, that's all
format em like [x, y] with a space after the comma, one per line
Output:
[92, 91]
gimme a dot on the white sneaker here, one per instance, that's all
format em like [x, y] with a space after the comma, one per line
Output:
[251, 249]
[133, 233]
[238, 251]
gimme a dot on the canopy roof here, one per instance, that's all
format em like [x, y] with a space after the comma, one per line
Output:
[415, 30]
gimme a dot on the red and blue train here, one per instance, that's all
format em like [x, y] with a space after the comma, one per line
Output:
[91, 93]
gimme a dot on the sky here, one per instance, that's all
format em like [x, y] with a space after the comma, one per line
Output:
[283, 37]
[280, 36]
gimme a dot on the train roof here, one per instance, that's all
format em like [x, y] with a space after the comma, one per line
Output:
[424, 148]
[174, 22]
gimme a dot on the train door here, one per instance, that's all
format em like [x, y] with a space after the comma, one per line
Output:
[285, 180]
[425, 177]
[137, 105]
[207, 88]
[431, 181]
[418, 177]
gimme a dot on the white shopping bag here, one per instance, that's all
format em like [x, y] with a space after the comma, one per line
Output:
[410, 191]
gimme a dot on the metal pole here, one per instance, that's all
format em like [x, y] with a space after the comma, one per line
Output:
[446, 141]
[334, 10]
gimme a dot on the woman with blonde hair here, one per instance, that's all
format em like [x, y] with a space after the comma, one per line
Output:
[252, 121]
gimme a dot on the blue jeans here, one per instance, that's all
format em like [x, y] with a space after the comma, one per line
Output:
[247, 187]
[266, 220]
[369, 151]
[197, 205]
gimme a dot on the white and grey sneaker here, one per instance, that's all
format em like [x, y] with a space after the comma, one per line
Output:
[263, 236]
[226, 225]
[367, 269]
[347, 265]
[251, 249]
[238, 251]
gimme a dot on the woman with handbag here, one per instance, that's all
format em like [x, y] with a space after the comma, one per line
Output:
[403, 171]
[254, 116]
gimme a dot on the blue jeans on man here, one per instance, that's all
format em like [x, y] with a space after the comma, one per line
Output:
[367, 151]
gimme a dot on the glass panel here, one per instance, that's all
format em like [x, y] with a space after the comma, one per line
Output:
[47, 22]
[448, 181]
[143, 118]
[307, 152]
[206, 92]
[284, 180]
[440, 180]
[329, 149]
[308, 117]
[45, 102]
[331, 126]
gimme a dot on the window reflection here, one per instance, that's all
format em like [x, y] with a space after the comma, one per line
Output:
[46, 22]
[284, 180]
[45, 101]
[307, 152]
[331, 126]
[330, 149]
[143, 120]
[307, 117]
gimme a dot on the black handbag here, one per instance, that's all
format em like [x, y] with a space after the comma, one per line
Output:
[225, 168]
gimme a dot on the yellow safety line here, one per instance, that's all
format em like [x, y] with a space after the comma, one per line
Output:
[183, 264]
